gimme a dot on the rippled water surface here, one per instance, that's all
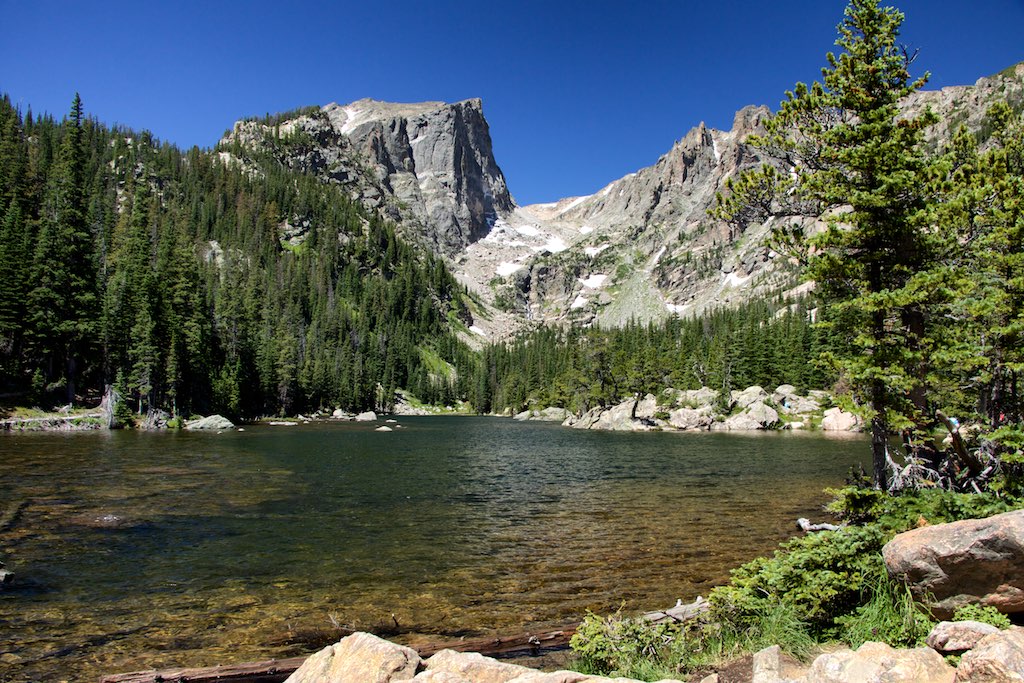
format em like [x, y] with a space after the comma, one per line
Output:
[150, 550]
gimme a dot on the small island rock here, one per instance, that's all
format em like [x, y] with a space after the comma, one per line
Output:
[212, 422]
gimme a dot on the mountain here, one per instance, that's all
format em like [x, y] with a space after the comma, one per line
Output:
[428, 166]
[640, 248]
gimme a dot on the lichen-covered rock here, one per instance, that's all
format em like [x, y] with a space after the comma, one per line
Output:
[956, 637]
[959, 563]
[439, 677]
[212, 422]
[359, 658]
[879, 663]
[997, 658]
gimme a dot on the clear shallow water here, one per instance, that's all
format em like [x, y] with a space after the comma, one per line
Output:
[149, 550]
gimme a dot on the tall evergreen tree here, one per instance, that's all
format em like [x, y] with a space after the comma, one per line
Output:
[842, 150]
[63, 302]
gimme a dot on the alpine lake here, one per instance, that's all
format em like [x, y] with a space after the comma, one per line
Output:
[149, 550]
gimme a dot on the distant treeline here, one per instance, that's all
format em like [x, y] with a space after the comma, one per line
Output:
[766, 343]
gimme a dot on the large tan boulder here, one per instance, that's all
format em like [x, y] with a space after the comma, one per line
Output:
[359, 658]
[879, 663]
[440, 677]
[956, 637]
[955, 564]
[838, 420]
[997, 658]
[573, 677]
[474, 667]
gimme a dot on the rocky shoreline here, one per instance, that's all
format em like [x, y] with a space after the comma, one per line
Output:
[751, 409]
[704, 409]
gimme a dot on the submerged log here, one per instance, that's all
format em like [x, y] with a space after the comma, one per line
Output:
[277, 670]
[270, 671]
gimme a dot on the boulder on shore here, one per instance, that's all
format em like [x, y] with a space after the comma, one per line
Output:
[756, 416]
[960, 563]
[359, 658]
[691, 418]
[748, 396]
[212, 422]
[997, 658]
[956, 637]
[879, 663]
[368, 416]
[838, 420]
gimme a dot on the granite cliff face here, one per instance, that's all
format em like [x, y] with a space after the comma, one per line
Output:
[640, 248]
[428, 166]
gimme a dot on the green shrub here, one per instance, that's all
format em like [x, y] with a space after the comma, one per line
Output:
[821, 576]
[616, 644]
[986, 614]
[901, 512]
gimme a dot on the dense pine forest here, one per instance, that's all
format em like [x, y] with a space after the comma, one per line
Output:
[766, 343]
[129, 263]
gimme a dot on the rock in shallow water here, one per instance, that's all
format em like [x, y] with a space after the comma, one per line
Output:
[212, 422]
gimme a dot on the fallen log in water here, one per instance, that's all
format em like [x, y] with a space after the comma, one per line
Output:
[277, 670]
[270, 671]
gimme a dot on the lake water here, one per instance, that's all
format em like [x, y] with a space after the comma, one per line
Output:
[151, 550]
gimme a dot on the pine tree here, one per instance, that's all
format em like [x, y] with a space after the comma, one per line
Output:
[63, 302]
[843, 151]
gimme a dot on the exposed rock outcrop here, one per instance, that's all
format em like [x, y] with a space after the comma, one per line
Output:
[427, 165]
[696, 409]
[552, 414]
[755, 416]
[959, 563]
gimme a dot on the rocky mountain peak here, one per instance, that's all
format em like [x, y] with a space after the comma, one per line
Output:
[429, 165]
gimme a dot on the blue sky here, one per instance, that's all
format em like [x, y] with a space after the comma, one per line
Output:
[577, 93]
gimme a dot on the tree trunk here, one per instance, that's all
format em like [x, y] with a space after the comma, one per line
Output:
[879, 437]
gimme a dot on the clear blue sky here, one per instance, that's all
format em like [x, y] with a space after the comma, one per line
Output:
[577, 93]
